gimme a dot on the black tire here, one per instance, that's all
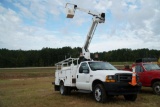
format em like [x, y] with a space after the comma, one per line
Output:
[131, 97]
[156, 88]
[63, 89]
[99, 93]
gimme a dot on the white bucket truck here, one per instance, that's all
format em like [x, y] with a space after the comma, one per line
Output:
[97, 77]
[88, 76]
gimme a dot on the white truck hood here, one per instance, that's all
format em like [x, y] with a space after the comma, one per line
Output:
[109, 72]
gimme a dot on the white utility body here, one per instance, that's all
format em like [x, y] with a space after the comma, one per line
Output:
[88, 76]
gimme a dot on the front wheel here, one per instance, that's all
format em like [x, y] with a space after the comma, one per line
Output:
[156, 88]
[131, 97]
[99, 93]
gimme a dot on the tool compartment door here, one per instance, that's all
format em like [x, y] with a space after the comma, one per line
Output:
[67, 81]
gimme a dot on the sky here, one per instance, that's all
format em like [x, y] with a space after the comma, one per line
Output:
[36, 24]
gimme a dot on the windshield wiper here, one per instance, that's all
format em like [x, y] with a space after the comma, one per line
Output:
[101, 69]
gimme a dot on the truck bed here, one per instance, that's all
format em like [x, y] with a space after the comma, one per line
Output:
[67, 74]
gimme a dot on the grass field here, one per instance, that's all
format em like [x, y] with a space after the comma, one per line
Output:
[37, 91]
[11, 73]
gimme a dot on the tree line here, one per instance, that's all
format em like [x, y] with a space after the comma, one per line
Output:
[50, 56]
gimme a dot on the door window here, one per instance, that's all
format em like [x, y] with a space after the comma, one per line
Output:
[139, 68]
[84, 68]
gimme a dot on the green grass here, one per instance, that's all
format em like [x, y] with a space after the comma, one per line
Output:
[26, 72]
[37, 91]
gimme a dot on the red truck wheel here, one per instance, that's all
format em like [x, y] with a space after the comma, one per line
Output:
[156, 88]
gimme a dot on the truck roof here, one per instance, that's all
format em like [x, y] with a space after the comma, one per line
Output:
[145, 60]
[146, 63]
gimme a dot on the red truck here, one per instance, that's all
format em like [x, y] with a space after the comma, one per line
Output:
[149, 73]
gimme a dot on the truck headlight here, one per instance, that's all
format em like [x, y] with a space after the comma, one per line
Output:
[110, 78]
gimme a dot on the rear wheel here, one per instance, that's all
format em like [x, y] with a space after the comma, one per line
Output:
[99, 93]
[131, 97]
[156, 88]
[63, 89]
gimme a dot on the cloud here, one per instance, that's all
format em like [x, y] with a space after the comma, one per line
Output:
[135, 19]
[15, 35]
[33, 24]
[39, 10]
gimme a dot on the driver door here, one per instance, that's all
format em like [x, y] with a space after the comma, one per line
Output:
[140, 72]
[83, 77]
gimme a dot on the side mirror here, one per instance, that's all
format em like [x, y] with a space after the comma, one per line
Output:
[86, 70]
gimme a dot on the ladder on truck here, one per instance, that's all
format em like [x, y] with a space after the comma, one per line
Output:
[67, 63]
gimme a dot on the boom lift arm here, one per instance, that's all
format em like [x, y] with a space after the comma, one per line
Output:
[97, 18]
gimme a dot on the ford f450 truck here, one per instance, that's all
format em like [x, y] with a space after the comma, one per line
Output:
[97, 77]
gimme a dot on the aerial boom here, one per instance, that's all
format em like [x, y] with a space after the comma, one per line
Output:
[97, 18]
[85, 50]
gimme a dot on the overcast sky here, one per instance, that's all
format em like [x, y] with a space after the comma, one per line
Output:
[34, 24]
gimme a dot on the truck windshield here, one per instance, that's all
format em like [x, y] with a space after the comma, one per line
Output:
[149, 67]
[101, 66]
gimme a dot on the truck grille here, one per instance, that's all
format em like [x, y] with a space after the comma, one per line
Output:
[123, 77]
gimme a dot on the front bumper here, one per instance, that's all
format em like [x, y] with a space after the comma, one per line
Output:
[121, 88]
